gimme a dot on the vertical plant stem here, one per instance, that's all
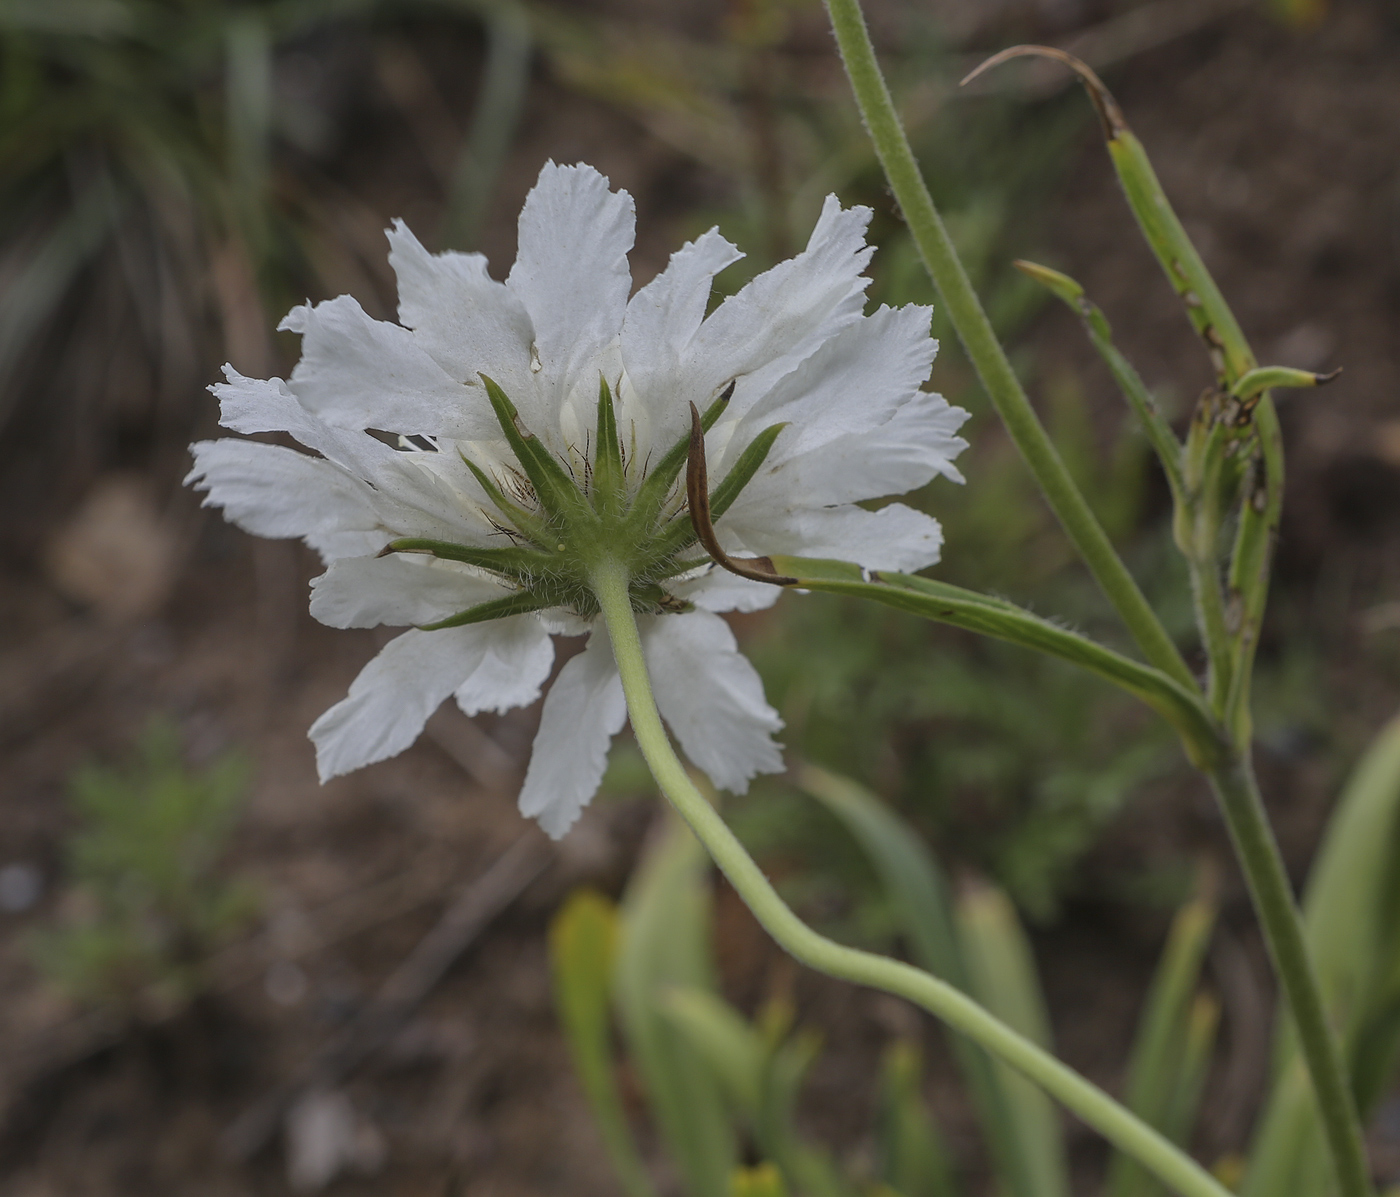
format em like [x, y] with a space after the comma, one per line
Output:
[978, 338]
[1239, 797]
[1122, 1128]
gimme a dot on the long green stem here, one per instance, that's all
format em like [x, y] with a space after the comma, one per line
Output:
[1248, 576]
[1125, 1130]
[1239, 797]
[978, 338]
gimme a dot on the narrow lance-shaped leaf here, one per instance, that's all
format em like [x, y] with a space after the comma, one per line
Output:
[1154, 424]
[582, 948]
[1184, 709]
[1157, 1089]
[662, 475]
[665, 933]
[1003, 976]
[915, 888]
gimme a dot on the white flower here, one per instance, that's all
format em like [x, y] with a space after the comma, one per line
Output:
[541, 422]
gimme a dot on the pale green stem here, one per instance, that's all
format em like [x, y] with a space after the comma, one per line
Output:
[978, 338]
[1118, 1125]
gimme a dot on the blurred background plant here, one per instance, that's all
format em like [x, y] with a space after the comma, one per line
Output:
[174, 175]
[149, 902]
[720, 1089]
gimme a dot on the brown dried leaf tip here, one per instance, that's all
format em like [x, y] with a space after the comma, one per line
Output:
[1110, 115]
[697, 489]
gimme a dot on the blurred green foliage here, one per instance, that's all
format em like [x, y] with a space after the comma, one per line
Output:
[738, 1081]
[149, 903]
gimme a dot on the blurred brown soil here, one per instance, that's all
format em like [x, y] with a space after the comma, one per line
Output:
[1280, 149]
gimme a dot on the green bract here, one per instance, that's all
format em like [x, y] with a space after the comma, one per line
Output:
[564, 520]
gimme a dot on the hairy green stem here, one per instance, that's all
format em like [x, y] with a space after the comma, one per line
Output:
[1122, 1128]
[1239, 797]
[984, 349]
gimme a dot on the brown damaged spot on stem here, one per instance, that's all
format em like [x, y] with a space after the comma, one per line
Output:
[697, 489]
[1110, 115]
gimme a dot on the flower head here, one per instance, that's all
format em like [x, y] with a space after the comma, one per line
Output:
[542, 427]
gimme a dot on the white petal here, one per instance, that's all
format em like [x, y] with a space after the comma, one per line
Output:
[394, 695]
[276, 492]
[852, 383]
[571, 275]
[662, 318]
[399, 590]
[251, 405]
[466, 321]
[516, 665]
[895, 537]
[583, 710]
[761, 333]
[712, 698]
[360, 373]
[409, 500]
[716, 589]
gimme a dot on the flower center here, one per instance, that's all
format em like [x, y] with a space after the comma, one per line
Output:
[562, 527]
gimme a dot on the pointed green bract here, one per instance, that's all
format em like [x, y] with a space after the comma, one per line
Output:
[502, 608]
[557, 492]
[530, 526]
[520, 564]
[608, 484]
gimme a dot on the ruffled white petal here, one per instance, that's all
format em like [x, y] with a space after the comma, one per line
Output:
[662, 319]
[461, 317]
[279, 493]
[716, 589]
[583, 710]
[360, 373]
[853, 382]
[776, 321]
[513, 670]
[572, 277]
[409, 500]
[712, 698]
[394, 695]
[895, 537]
[400, 590]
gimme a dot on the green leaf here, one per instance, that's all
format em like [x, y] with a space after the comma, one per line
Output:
[1003, 976]
[1154, 424]
[1349, 915]
[1163, 1072]
[914, 885]
[1181, 707]
[583, 939]
[520, 564]
[665, 943]
[734, 1050]
[914, 1159]
[660, 478]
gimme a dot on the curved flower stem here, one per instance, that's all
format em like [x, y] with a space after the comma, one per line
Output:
[978, 338]
[1122, 1128]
